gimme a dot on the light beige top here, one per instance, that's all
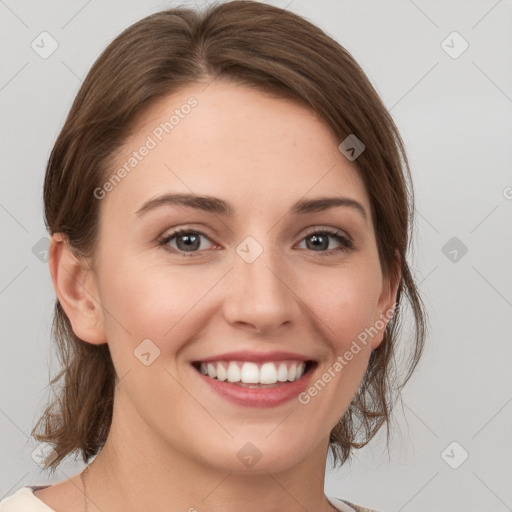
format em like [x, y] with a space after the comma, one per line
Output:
[24, 500]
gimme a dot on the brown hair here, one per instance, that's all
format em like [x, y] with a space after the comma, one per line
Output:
[260, 46]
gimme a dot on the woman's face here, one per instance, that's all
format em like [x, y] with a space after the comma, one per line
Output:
[261, 284]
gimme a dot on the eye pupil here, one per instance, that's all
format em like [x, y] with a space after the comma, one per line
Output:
[318, 238]
[192, 241]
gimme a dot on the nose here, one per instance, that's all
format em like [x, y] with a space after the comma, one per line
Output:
[259, 294]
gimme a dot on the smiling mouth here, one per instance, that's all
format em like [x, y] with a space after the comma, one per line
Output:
[255, 374]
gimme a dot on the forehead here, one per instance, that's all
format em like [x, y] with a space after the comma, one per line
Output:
[229, 140]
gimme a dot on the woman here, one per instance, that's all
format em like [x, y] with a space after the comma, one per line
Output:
[230, 212]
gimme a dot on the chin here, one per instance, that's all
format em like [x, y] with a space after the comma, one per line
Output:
[257, 454]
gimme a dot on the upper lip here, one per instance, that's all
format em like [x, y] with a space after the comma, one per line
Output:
[245, 355]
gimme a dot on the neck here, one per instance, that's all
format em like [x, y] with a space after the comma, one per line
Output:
[136, 471]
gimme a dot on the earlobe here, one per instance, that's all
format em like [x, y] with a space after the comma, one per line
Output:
[75, 288]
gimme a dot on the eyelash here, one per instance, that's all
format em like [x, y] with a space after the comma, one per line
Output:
[346, 244]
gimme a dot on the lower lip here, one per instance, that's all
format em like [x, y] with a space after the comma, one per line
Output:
[258, 397]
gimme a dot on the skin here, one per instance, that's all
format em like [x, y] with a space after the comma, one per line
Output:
[173, 443]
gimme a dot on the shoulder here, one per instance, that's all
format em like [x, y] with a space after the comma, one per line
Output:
[24, 500]
[346, 506]
[357, 508]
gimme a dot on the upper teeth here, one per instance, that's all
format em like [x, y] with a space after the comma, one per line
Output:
[254, 373]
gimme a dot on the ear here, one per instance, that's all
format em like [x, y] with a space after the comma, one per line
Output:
[387, 300]
[76, 290]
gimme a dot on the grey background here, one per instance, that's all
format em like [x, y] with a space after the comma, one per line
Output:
[455, 115]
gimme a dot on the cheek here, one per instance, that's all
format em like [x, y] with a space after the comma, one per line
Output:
[150, 300]
[346, 302]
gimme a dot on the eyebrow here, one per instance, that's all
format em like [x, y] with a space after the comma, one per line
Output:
[221, 207]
